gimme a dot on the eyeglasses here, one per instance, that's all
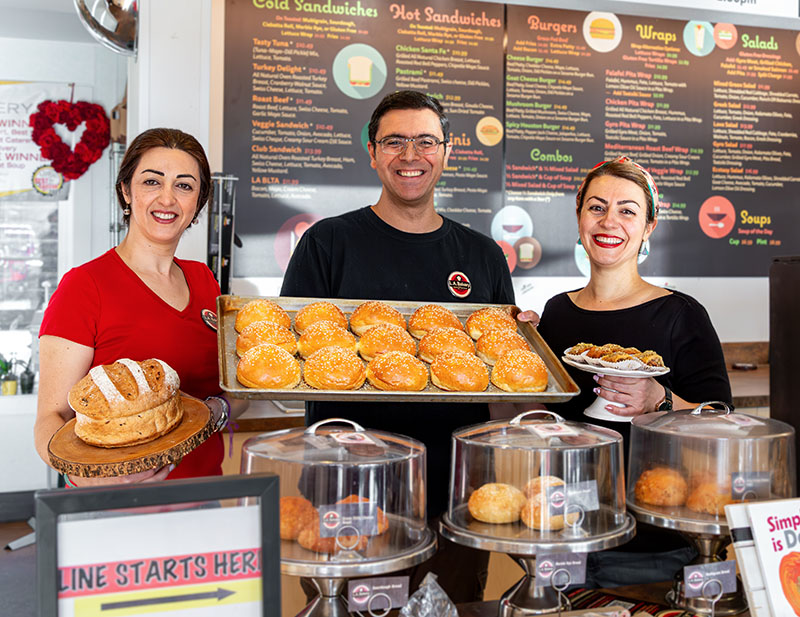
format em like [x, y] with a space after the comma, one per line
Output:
[422, 145]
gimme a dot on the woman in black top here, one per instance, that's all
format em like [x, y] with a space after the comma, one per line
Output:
[617, 208]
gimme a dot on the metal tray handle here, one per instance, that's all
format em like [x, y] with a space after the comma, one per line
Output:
[700, 408]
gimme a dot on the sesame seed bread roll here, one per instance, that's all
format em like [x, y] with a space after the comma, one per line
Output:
[384, 338]
[374, 313]
[520, 370]
[318, 311]
[334, 368]
[445, 339]
[261, 310]
[456, 371]
[489, 318]
[496, 503]
[324, 334]
[268, 367]
[397, 370]
[496, 343]
[126, 403]
[260, 332]
[429, 317]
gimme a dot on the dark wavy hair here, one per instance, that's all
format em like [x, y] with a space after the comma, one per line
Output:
[163, 138]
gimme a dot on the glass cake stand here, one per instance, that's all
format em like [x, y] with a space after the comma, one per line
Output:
[523, 544]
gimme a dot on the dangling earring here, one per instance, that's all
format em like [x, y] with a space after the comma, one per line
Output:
[194, 221]
[126, 210]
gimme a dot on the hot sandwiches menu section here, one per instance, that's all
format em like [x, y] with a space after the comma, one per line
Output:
[708, 108]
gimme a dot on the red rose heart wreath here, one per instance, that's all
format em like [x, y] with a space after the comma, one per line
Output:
[71, 164]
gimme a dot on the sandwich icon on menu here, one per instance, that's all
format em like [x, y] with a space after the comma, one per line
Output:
[360, 71]
[602, 28]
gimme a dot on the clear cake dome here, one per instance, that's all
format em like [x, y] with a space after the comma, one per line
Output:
[347, 494]
[536, 478]
[687, 465]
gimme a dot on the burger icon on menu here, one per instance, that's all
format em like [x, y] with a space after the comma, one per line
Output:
[602, 31]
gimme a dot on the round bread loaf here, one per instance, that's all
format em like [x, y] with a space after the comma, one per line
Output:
[261, 310]
[318, 311]
[539, 484]
[536, 511]
[496, 343]
[324, 334]
[268, 367]
[490, 318]
[709, 498]
[661, 486]
[260, 332]
[126, 403]
[520, 370]
[496, 503]
[374, 313]
[429, 317]
[397, 370]
[536, 515]
[334, 368]
[456, 371]
[296, 513]
[445, 339]
[383, 338]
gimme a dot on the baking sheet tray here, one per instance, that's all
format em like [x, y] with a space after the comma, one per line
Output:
[560, 386]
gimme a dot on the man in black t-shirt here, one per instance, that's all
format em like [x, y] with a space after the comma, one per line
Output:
[401, 249]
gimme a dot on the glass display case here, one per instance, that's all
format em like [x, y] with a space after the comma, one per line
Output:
[352, 503]
[536, 484]
[686, 466]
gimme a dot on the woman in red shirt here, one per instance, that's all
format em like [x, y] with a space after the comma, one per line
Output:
[138, 300]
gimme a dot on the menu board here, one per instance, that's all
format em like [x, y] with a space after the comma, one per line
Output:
[536, 97]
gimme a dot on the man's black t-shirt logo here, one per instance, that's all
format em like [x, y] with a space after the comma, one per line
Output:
[459, 284]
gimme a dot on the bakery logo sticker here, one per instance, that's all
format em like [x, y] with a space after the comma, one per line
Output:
[695, 580]
[556, 497]
[602, 31]
[331, 519]
[458, 284]
[545, 568]
[360, 594]
[209, 318]
[740, 419]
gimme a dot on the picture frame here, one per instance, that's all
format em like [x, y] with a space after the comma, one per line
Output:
[121, 546]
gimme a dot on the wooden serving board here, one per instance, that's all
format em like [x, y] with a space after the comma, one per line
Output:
[70, 455]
